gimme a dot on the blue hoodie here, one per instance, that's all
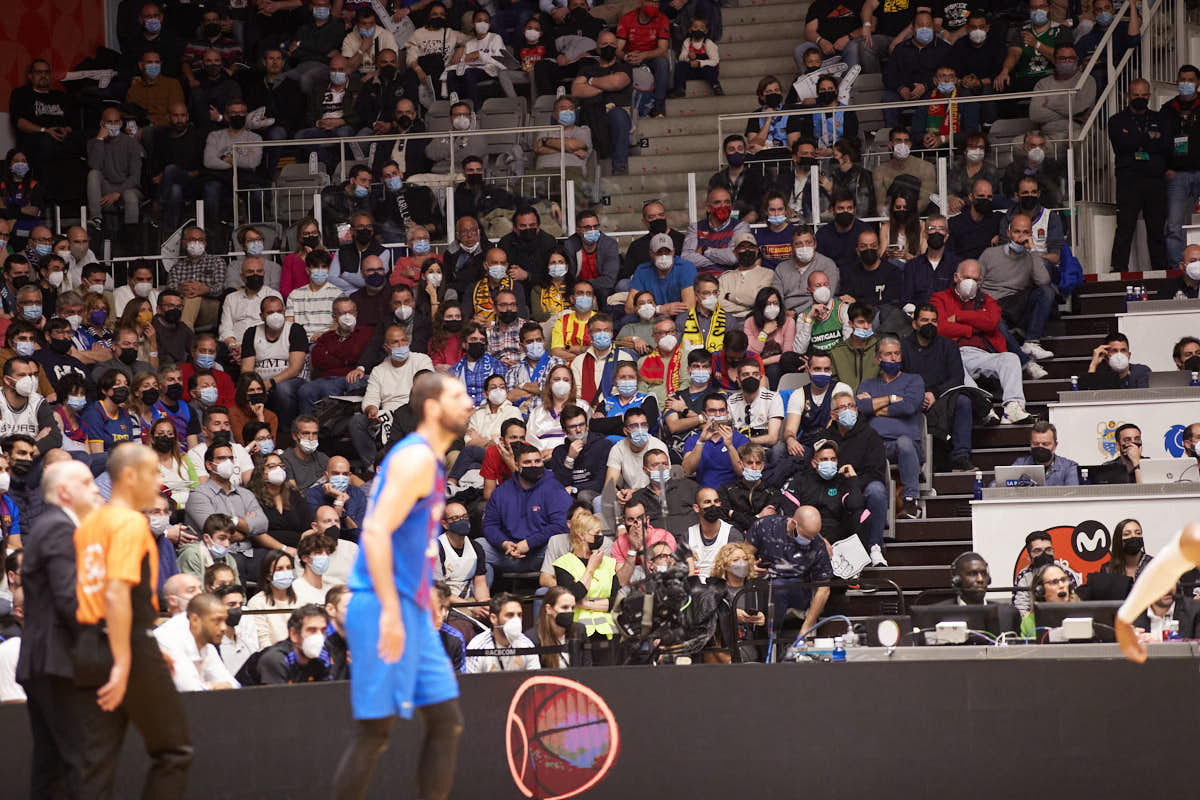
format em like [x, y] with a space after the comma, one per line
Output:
[515, 513]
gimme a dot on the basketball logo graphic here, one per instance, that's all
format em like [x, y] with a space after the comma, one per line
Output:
[1173, 441]
[561, 738]
[1106, 439]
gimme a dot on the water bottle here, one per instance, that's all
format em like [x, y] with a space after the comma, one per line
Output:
[1170, 633]
[314, 165]
[1195, 381]
[839, 649]
[1142, 293]
[978, 484]
[1083, 476]
[1128, 296]
[1074, 383]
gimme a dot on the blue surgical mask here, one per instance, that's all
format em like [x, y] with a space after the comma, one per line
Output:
[395, 183]
[827, 469]
[153, 70]
[946, 87]
[751, 475]
[1039, 16]
[283, 578]
[218, 550]
[400, 354]
[32, 313]
[1104, 19]
[24, 349]
[153, 25]
[77, 402]
[891, 368]
[361, 191]
[497, 271]
[366, 32]
[639, 436]
[320, 12]
[535, 349]
[420, 246]
[340, 482]
[819, 379]
[266, 447]
[319, 276]
[1016, 247]
[626, 386]
[700, 377]
[923, 35]
[205, 360]
[338, 78]
[1186, 89]
[583, 304]
[847, 417]
[320, 563]
[208, 395]
[566, 117]
[864, 333]
[602, 340]
[591, 237]
[20, 168]
[43, 250]
[557, 270]
[255, 247]
[779, 220]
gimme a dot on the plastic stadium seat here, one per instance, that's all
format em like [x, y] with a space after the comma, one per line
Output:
[294, 190]
[505, 105]
[792, 380]
[543, 107]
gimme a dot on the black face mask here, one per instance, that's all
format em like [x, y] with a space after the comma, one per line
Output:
[607, 53]
[60, 346]
[564, 620]
[868, 257]
[596, 542]
[1192, 364]
[475, 179]
[181, 129]
[936, 241]
[120, 394]
[746, 258]
[736, 158]
[697, 35]
[1139, 103]
[174, 392]
[128, 355]
[982, 205]
[313, 241]
[711, 513]
[1028, 203]
[805, 162]
[387, 73]
[21, 467]
[1132, 546]
[452, 325]
[773, 100]
[927, 331]
[20, 281]
[900, 214]
[364, 235]
[149, 397]
[436, 23]
[234, 616]
[843, 219]
[212, 30]
[173, 316]
[254, 282]
[333, 531]
[213, 71]
[1041, 560]
[237, 122]
[528, 235]
[254, 398]
[506, 317]
[403, 122]
[826, 98]
[750, 385]
[163, 444]
[1041, 455]
[657, 226]
[460, 527]
[532, 474]
[475, 350]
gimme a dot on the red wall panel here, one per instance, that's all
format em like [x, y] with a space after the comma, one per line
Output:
[64, 31]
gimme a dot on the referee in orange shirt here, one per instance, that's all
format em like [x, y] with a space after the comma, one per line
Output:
[116, 575]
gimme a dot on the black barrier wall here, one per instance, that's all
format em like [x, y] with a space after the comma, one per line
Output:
[943, 729]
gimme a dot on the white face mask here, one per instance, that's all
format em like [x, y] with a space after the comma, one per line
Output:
[1193, 270]
[225, 469]
[646, 311]
[275, 320]
[159, 522]
[977, 35]
[512, 628]
[975, 155]
[664, 263]
[771, 311]
[309, 445]
[482, 28]
[26, 385]
[1036, 155]
[461, 123]
[822, 295]
[967, 288]
[276, 476]
[901, 149]
[560, 389]
[805, 254]
[55, 279]
[497, 396]
[434, 278]
[347, 321]
[1118, 362]
[312, 645]
[75, 321]
[5, 479]
[709, 303]
[667, 343]
[195, 249]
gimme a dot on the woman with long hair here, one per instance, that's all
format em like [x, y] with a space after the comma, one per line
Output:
[591, 576]
[275, 580]
[174, 470]
[734, 564]
[766, 135]
[552, 296]
[445, 341]
[295, 273]
[558, 607]
[106, 422]
[143, 394]
[22, 197]
[542, 428]
[139, 316]
[288, 513]
[97, 319]
[901, 235]
[1127, 555]
[72, 400]
[431, 288]
[250, 404]
[770, 331]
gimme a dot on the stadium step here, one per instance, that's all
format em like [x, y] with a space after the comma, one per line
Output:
[758, 13]
[1000, 436]
[1103, 303]
[912, 577]
[949, 505]
[923, 554]
[757, 66]
[933, 529]
[736, 48]
[644, 178]
[668, 144]
[1071, 346]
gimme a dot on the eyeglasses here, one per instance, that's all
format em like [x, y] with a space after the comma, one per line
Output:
[1056, 581]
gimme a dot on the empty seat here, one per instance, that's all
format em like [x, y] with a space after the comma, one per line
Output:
[294, 190]
[543, 107]
[505, 105]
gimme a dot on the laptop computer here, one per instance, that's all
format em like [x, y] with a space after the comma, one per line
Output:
[1031, 475]
[1169, 470]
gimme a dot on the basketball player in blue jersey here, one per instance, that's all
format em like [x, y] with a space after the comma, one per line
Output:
[399, 662]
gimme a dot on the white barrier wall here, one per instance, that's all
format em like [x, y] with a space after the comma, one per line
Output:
[1155, 326]
[1087, 421]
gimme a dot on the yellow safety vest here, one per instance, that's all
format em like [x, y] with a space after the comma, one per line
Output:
[601, 588]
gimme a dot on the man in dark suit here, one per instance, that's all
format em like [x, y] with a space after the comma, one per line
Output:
[44, 666]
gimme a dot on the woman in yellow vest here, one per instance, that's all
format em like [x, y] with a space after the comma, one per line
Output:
[591, 576]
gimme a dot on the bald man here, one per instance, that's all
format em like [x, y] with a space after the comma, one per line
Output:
[178, 590]
[175, 162]
[114, 158]
[1187, 285]
[793, 551]
[336, 490]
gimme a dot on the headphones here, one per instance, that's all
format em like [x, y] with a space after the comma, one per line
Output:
[1039, 591]
[955, 578]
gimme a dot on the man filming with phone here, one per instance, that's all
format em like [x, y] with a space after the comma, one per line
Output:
[711, 455]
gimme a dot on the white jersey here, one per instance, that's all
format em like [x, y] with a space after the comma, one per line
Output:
[271, 358]
[22, 421]
[706, 554]
[457, 571]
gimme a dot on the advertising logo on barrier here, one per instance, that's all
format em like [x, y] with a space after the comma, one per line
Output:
[1106, 440]
[1081, 549]
[1173, 441]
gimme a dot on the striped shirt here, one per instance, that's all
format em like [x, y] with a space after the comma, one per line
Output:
[570, 331]
[312, 310]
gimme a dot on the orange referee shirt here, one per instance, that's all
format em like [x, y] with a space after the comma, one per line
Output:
[111, 542]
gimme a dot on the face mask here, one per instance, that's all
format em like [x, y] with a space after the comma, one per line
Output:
[218, 551]
[20, 168]
[820, 379]
[559, 270]
[120, 394]
[982, 206]
[602, 340]
[532, 474]
[847, 417]
[827, 469]
[843, 219]
[946, 87]
[975, 155]
[739, 569]
[208, 395]
[735, 159]
[314, 643]
[776, 220]
[564, 619]
[311, 242]
[864, 333]
[460, 527]
[127, 355]
[626, 387]
[566, 117]
[1139, 103]
[319, 276]
[901, 150]
[497, 271]
[822, 295]
[1132, 546]
[771, 312]
[1193, 270]
[890, 368]
[337, 78]
[452, 325]
[98, 317]
[1036, 155]
[237, 122]
[967, 288]
[275, 320]
[149, 397]
[591, 237]
[664, 263]
[927, 331]
[532, 35]
[25, 349]
[347, 321]
[936, 241]
[266, 447]
[512, 628]
[977, 35]
[660, 475]
[1118, 362]
[638, 437]
[560, 389]
[535, 350]
[42, 250]
[1017, 248]
[722, 213]
[320, 12]
[826, 98]
[55, 279]
[751, 475]
[5, 481]
[773, 100]
[276, 476]
[646, 311]
[340, 482]
[403, 313]
[1186, 89]
[254, 282]
[1039, 16]
[205, 360]
[711, 513]
[1192, 364]
[153, 25]
[195, 248]
[174, 392]
[607, 53]
[159, 522]
[923, 35]
[26, 386]
[320, 564]
[225, 469]
[77, 402]
[709, 302]
[804, 254]
[750, 385]
[1041, 455]
[868, 257]
[1028, 202]
[475, 350]
[497, 396]
[361, 192]
[436, 22]
[1064, 69]
[461, 122]
[400, 354]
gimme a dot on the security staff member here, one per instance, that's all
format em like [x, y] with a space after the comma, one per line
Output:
[117, 572]
[1141, 141]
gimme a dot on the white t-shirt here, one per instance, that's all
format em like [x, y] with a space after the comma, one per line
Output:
[191, 667]
[630, 463]
[765, 407]
[10, 690]
[484, 641]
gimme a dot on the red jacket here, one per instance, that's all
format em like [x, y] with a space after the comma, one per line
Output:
[333, 357]
[972, 318]
[225, 387]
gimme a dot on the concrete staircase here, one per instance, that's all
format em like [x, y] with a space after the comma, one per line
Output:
[758, 39]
